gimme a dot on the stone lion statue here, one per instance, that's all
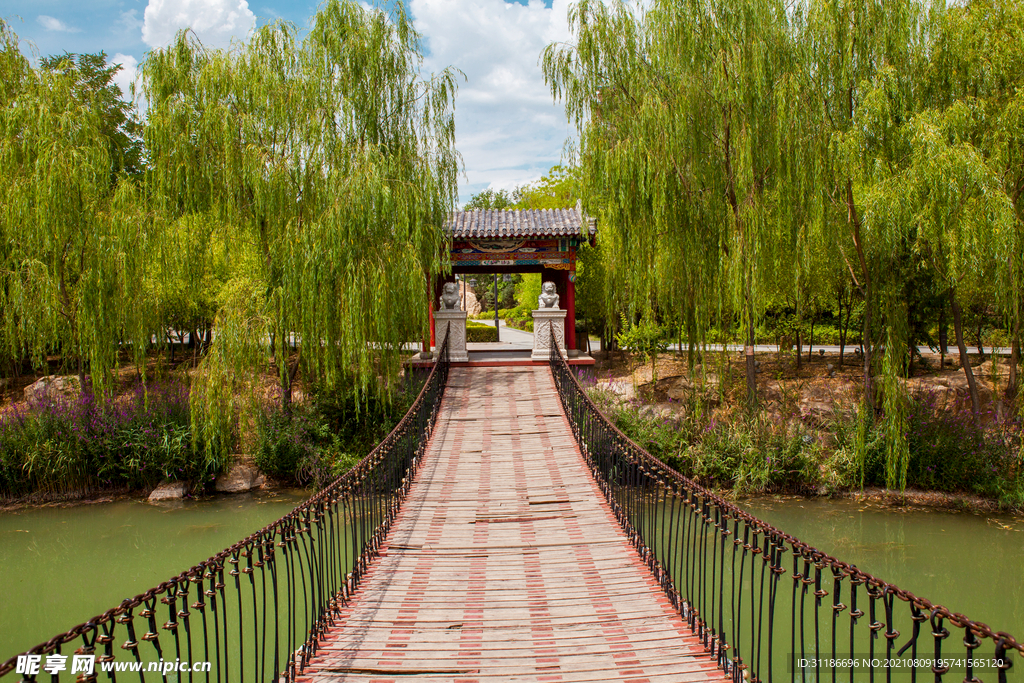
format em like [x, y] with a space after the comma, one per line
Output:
[450, 296]
[548, 297]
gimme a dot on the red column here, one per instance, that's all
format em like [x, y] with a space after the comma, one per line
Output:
[435, 288]
[429, 342]
[570, 307]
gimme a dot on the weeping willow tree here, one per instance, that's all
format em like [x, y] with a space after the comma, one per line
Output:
[73, 242]
[327, 166]
[976, 88]
[684, 114]
[862, 57]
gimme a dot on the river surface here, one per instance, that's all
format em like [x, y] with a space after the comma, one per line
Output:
[970, 563]
[59, 566]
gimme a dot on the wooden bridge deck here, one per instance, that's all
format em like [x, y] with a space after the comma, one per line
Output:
[506, 563]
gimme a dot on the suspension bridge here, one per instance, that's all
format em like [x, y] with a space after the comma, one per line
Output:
[506, 531]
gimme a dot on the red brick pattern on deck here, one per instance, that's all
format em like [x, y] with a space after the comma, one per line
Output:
[505, 563]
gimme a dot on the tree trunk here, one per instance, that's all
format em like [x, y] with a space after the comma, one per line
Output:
[943, 337]
[799, 345]
[865, 343]
[1011, 384]
[291, 367]
[751, 369]
[958, 330]
[749, 346]
[842, 331]
[810, 343]
[81, 375]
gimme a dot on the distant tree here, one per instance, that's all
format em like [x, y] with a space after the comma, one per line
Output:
[489, 199]
[558, 189]
[94, 83]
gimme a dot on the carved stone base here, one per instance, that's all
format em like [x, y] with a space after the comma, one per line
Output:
[546, 321]
[457, 346]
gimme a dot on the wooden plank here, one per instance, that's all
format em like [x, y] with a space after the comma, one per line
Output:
[505, 563]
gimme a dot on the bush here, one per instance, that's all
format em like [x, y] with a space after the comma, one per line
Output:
[756, 455]
[478, 332]
[949, 452]
[760, 454]
[133, 441]
[322, 440]
[298, 447]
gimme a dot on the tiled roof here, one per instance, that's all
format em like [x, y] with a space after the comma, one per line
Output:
[521, 223]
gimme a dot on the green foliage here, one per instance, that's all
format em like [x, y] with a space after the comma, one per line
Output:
[646, 338]
[323, 169]
[758, 454]
[527, 294]
[75, 239]
[295, 447]
[489, 199]
[559, 189]
[478, 332]
[63, 446]
[94, 83]
[804, 154]
[317, 441]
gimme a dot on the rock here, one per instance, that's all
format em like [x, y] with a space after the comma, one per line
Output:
[169, 490]
[831, 369]
[52, 386]
[683, 386]
[680, 389]
[472, 306]
[239, 478]
[622, 389]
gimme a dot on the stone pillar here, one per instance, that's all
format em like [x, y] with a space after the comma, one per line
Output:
[456, 319]
[545, 321]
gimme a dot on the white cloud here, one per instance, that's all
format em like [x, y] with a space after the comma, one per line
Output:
[124, 77]
[508, 129]
[54, 24]
[130, 21]
[216, 22]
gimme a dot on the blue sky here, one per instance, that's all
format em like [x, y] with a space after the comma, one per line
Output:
[508, 129]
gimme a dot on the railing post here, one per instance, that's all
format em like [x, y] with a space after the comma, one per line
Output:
[689, 562]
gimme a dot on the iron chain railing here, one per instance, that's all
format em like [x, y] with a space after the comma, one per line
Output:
[257, 611]
[759, 615]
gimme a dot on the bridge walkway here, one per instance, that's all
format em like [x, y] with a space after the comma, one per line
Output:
[505, 563]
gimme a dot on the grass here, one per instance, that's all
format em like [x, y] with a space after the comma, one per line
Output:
[770, 453]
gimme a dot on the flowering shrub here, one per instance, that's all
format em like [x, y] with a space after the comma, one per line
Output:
[86, 443]
[950, 452]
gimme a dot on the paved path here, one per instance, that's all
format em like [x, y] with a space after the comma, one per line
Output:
[505, 563]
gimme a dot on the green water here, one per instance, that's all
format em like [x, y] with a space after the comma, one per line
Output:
[59, 566]
[971, 563]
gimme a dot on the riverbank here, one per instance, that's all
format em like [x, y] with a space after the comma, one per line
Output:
[70, 445]
[806, 435]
